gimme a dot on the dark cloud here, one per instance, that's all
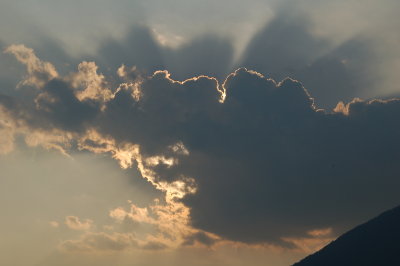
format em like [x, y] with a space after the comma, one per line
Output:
[267, 162]
[56, 107]
[154, 245]
[199, 237]
[163, 112]
[59, 105]
[285, 167]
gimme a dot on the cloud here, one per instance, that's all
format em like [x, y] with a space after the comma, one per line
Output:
[282, 165]
[99, 242]
[314, 241]
[200, 237]
[92, 84]
[157, 227]
[153, 245]
[75, 223]
[54, 224]
[17, 120]
[7, 130]
[250, 159]
[38, 72]
[161, 225]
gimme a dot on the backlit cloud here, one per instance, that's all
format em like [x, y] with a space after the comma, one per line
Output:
[250, 159]
[38, 72]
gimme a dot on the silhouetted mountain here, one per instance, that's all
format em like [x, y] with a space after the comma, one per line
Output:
[376, 242]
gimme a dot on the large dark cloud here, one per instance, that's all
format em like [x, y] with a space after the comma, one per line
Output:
[282, 167]
[267, 162]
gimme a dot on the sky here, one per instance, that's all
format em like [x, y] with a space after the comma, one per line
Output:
[171, 132]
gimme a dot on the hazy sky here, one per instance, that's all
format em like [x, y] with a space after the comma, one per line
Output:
[171, 132]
